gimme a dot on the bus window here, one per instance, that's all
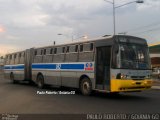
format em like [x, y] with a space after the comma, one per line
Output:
[76, 49]
[88, 47]
[134, 56]
[73, 48]
[81, 48]
[38, 51]
[23, 54]
[68, 48]
[19, 54]
[15, 55]
[91, 47]
[44, 52]
[48, 51]
[41, 52]
[51, 51]
[10, 57]
[55, 50]
[35, 52]
[63, 50]
[59, 50]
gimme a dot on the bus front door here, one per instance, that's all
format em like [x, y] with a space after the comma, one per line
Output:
[103, 56]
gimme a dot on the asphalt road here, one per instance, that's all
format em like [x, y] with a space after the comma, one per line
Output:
[23, 98]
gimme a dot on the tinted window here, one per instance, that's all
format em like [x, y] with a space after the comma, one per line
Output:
[59, 50]
[41, 52]
[76, 49]
[63, 50]
[44, 51]
[91, 46]
[68, 48]
[15, 55]
[35, 52]
[51, 51]
[73, 48]
[88, 46]
[19, 54]
[23, 54]
[55, 50]
[81, 48]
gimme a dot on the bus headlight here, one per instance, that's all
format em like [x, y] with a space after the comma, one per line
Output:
[148, 77]
[145, 82]
[124, 76]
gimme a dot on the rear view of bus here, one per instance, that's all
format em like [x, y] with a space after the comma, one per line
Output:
[130, 65]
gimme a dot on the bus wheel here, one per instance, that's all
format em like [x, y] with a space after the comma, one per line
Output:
[12, 78]
[86, 86]
[40, 81]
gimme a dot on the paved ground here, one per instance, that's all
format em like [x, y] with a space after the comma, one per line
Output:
[23, 98]
[156, 84]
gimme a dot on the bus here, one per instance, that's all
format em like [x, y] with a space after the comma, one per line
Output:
[114, 64]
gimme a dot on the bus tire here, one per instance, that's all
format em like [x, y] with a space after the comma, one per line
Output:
[85, 86]
[40, 81]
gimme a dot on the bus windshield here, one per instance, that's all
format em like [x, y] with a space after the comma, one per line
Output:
[133, 56]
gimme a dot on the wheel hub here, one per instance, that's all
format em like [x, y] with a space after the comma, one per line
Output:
[86, 87]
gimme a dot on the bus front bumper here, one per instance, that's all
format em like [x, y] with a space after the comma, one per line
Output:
[119, 85]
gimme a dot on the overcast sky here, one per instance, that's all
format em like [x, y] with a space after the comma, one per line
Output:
[33, 23]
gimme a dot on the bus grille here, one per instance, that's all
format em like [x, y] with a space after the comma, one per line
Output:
[138, 77]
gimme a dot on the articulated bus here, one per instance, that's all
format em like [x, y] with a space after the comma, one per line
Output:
[112, 64]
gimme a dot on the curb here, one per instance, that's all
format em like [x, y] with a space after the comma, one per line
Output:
[155, 87]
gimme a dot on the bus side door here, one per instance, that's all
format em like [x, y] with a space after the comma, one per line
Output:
[103, 56]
